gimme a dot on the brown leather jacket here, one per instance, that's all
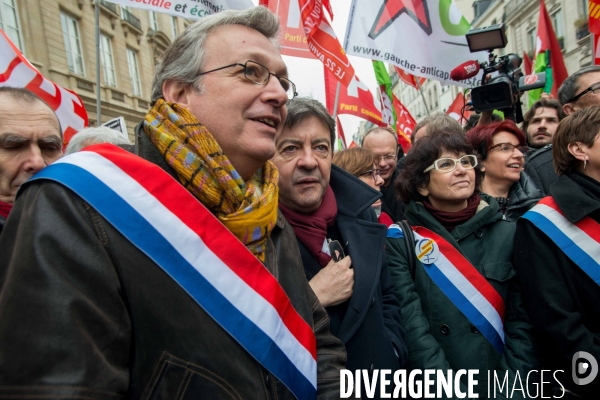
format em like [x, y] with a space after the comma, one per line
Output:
[86, 315]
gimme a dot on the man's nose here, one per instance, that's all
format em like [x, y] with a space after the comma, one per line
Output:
[308, 160]
[276, 92]
[35, 160]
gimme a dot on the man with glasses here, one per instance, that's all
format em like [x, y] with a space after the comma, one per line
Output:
[384, 143]
[173, 276]
[580, 90]
[326, 205]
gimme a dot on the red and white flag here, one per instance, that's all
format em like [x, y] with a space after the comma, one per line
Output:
[292, 38]
[16, 71]
[405, 125]
[455, 109]
[409, 79]
[355, 99]
[323, 42]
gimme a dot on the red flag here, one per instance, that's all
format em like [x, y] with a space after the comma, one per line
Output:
[292, 40]
[594, 16]
[455, 109]
[355, 99]
[405, 125]
[17, 71]
[323, 42]
[546, 40]
[352, 145]
[409, 79]
[341, 136]
[527, 64]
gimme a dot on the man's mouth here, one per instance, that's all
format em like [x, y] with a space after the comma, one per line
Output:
[267, 121]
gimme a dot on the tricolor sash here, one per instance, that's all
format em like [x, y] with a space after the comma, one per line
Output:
[162, 219]
[580, 241]
[460, 281]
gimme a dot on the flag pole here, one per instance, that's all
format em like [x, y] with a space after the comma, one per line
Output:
[98, 97]
[422, 95]
[337, 97]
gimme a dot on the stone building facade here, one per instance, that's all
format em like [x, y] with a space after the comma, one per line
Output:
[58, 37]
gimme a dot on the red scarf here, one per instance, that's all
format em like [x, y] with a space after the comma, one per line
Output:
[451, 220]
[385, 219]
[311, 229]
[5, 209]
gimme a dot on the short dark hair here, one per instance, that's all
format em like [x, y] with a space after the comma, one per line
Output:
[423, 154]
[582, 126]
[542, 103]
[28, 96]
[301, 108]
[481, 137]
[570, 86]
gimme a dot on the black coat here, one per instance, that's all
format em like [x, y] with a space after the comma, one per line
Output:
[523, 195]
[540, 167]
[390, 204]
[369, 323]
[562, 301]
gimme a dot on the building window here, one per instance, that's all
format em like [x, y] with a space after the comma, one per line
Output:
[134, 72]
[72, 39]
[532, 40]
[557, 23]
[174, 27]
[153, 21]
[9, 22]
[108, 64]
[582, 6]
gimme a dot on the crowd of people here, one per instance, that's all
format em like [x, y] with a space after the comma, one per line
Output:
[231, 254]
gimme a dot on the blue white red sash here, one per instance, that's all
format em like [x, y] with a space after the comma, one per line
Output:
[579, 241]
[460, 281]
[188, 242]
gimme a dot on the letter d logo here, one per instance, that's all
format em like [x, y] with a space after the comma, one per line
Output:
[579, 367]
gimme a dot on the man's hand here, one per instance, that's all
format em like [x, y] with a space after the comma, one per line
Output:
[333, 284]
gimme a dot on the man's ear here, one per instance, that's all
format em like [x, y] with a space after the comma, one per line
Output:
[568, 109]
[176, 92]
[578, 150]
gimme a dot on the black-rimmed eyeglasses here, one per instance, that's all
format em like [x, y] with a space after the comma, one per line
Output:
[509, 148]
[595, 88]
[259, 74]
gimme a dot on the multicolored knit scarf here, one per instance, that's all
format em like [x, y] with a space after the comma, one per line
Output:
[247, 209]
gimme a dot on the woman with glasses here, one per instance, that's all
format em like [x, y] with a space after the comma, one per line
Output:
[454, 277]
[362, 163]
[557, 257]
[501, 149]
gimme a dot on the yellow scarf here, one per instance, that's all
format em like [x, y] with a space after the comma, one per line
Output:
[247, 209]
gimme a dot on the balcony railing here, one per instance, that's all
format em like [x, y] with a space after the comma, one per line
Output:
[132, 19]
[111, 6]
[582, 32]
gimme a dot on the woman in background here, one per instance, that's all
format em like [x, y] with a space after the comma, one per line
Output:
[501, 149]
[362, 163]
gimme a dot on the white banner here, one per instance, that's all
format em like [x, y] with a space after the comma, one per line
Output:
[423, 37]
[190, 9]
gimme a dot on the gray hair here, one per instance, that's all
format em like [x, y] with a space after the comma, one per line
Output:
[185, 57]
[570, 86]
[301, 108]
[89, 136]
[437, 122]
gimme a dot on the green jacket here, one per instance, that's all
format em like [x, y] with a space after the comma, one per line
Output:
[438, 335]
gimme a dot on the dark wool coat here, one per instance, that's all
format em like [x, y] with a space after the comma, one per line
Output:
[539, 165]
[438, 335]
[369, 323]
[563, 302]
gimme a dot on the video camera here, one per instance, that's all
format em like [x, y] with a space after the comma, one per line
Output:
[502, 91]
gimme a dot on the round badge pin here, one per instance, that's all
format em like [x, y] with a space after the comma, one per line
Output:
[427, 251]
